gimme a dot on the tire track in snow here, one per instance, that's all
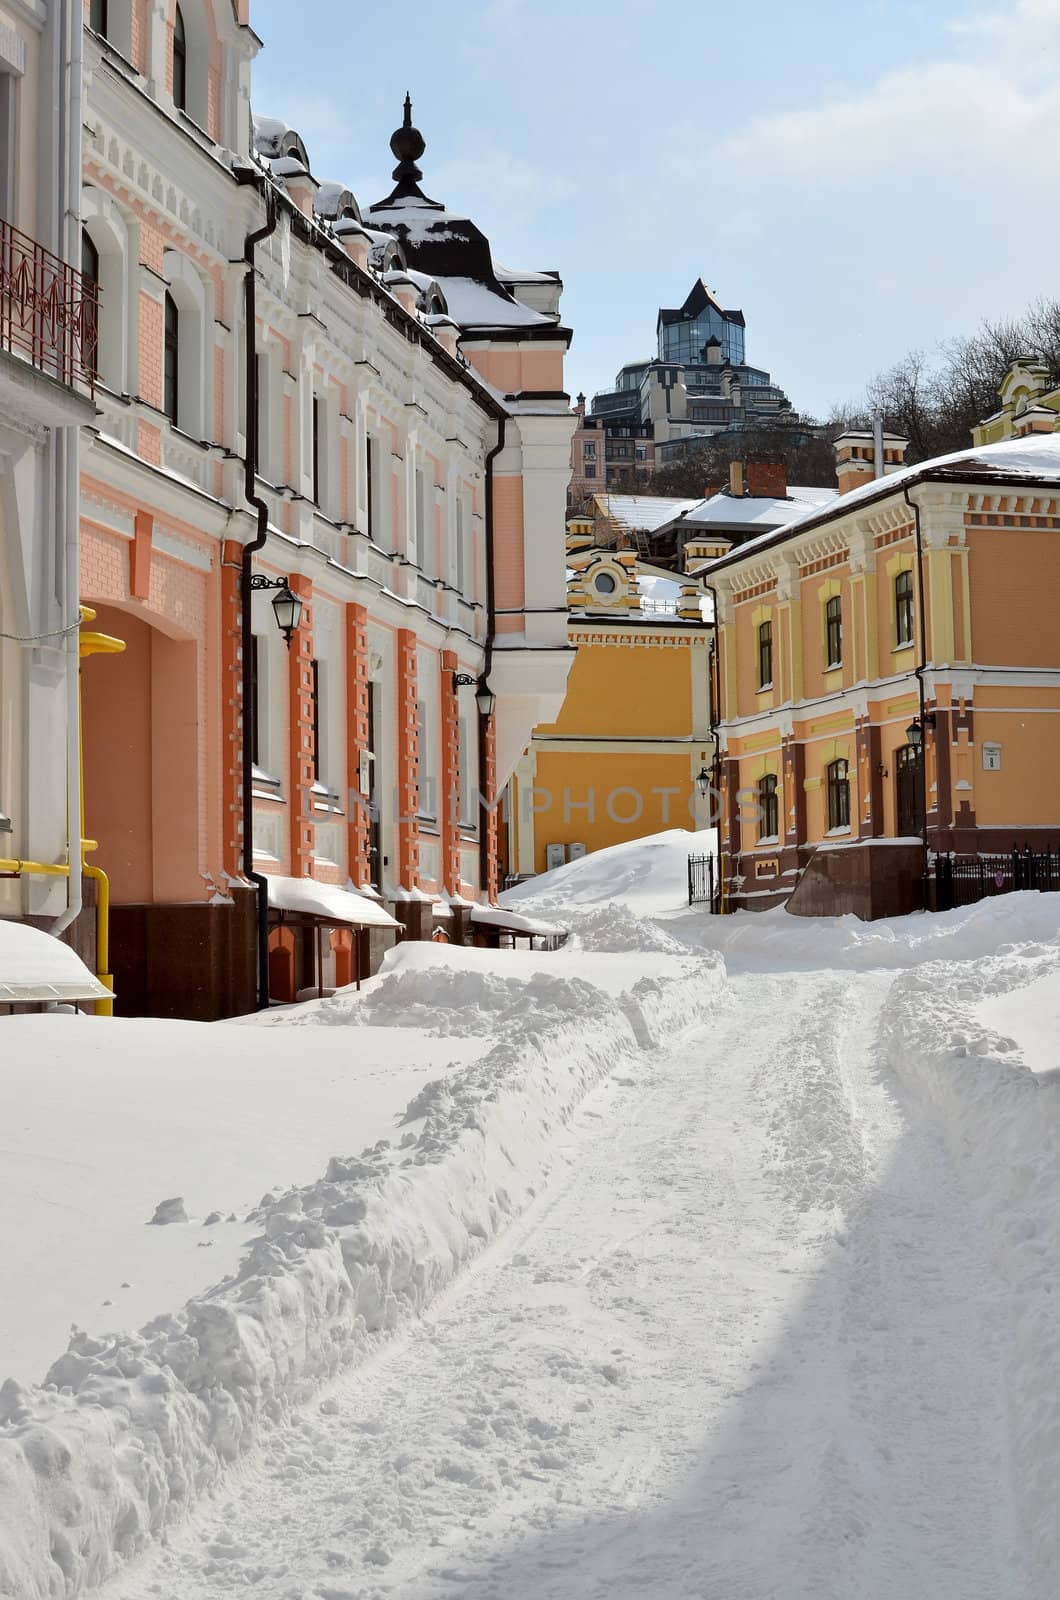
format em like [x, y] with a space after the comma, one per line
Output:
[734, 1353]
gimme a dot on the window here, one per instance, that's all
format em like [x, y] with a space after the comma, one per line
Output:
[98, 20]
[768, 808]
[833, 617]
[317, 446]
[8, 142]
[420, 530]
[765, 655]
[90, 273]
[590, 472]
[314, 697]
[903, 608]
[180, 62]
[604, 583]
[458, 534]
[838, 795]
[589, 450]
[369, 481]
[171, 361]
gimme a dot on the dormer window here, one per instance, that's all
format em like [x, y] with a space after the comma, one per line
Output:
[604, 583]
[180, 62]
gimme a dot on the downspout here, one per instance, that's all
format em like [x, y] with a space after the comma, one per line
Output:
[245, 175]
[487, 665]
[715, 718]
[67, 474]
[920, 667]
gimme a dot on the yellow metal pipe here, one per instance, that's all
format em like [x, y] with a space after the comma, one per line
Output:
[35, 869]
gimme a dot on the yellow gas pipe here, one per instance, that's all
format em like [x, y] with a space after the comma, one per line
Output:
[91, 644]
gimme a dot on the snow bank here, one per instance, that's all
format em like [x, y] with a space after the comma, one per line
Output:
[646, 876]
[130, 1430]
[1002, 1128]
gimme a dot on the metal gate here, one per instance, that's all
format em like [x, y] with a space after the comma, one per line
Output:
[703, 881]
[962, 880]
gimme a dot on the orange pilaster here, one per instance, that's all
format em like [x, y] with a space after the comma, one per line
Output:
[300, 722]
[449, 777]
[231, 709]
[408, 762]
[357, 692]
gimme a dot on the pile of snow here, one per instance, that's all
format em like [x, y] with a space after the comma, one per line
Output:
[1002, 1129]
[35, 967]
[647, 876]
[130, 1430]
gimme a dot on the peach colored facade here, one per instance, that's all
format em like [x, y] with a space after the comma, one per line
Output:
[416, 516]
[948, 577]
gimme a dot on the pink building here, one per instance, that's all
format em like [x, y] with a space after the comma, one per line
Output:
[412, 444]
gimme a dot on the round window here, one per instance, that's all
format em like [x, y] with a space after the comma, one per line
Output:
[604, 583]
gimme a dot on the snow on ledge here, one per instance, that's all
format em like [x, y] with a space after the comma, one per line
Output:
[35, 967]
[309, 897]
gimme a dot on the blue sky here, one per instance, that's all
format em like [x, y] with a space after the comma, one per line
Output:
[860, 178]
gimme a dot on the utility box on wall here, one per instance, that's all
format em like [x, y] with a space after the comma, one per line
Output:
[991, 758]
[554, 857]
[575, 852]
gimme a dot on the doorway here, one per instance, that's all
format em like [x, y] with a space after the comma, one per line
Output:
[909, 809]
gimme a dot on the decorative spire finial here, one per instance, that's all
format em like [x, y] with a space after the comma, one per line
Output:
[408, 144]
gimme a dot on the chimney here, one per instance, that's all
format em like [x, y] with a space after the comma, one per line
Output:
[855, 458]
[579, 407]
[767, 479]
[736, 477]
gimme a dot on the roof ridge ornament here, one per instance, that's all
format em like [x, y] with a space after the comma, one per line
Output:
[408, 144]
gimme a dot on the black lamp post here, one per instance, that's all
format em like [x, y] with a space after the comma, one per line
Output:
[915, 731]
[286, 605]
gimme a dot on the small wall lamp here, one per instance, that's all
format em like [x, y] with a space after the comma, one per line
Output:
[703, 783]
[286, 605]
[485, 698]
[915, 731]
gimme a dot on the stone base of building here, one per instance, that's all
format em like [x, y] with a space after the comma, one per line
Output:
[195, 961]
[871, 879]
[416, 917]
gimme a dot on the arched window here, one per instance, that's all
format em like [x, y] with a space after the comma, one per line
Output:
[171, 362]
[90, 274]
[833, 615]
[838, 795]
[765, 655]
[768, 807]
[180, 62]
[903, 608]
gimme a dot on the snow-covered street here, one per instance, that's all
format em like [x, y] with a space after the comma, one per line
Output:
[704, 1259]
[745, 1345]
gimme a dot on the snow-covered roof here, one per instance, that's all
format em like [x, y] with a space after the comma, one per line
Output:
[644, 512]
[1035, 459]
[311, 898]
[475, 305]
[36, 968]
[750, 509]
[515, 922]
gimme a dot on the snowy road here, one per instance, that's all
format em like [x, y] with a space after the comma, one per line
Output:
[745, 1346]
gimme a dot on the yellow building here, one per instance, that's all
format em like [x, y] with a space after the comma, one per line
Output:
[622, 758]
[1030, 403]
[890, 681]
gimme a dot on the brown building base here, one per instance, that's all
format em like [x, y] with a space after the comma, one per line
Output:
[872, 879]
[192, 961]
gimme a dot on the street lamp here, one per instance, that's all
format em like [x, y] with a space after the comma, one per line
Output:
[463, 680]
[915, 731]
[485, 699]
[703, 783]
[286, 605]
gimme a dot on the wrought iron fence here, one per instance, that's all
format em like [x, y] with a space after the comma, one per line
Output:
[48, 311]
[962, 880]
[703, 881]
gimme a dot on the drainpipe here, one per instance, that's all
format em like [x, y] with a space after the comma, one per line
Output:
[244, 175]
[487, 665]
[920, 667]
[67, 474]
[715, 719]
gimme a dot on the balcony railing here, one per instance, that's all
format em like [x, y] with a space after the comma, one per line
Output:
[49, 313]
